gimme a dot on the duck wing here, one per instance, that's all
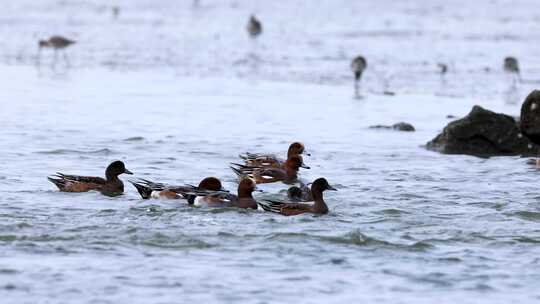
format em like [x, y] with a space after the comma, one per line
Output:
[285, 208]
[79, 178]
[269, 175]
[251, 156]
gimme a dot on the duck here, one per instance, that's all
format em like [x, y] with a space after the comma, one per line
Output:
[111, 185]
[263, 175]
[148, 189]
[243, 200]
[293, 208]
[271, 160]
[358, 66]
[254, 27]
[300, 193]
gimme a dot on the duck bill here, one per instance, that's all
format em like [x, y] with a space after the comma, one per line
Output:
[304, 166]
[126, 171]
[331, 188]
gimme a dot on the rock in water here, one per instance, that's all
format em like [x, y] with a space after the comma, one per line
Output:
[483, 133]
[403, 126]
[400, 126]
[530, 117]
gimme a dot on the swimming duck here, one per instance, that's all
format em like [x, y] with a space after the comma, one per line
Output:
[111, 185]
[270, 160]
[148, 189]
[300, 193]
[290, 208]
[262, 175]
[244, 199]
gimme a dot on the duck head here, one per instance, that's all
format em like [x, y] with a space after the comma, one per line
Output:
[211, 183]
[116, 168]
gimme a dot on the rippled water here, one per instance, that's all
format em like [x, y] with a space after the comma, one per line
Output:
[177, 104]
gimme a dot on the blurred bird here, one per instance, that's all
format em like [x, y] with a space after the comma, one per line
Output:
[254, 27]
[56, 43]
[358, 66]
[511, 65]
[115, 12]
[443, 69]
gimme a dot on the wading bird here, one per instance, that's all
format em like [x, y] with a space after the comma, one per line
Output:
[358, 66]
[254, 27]
[56, 43]
[511, 65]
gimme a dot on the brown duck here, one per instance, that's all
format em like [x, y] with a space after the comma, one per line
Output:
[243, 200]
[270, 160]
[111, 185]
[148, 189]
[289, 208]
[263, 175]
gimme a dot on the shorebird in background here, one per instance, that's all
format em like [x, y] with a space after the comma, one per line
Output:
[358, 66]
[511, 65]
[56, 43]
[443, 69]
[115, 12]
[254, 27]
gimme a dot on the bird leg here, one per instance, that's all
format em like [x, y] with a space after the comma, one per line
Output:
[55, 57]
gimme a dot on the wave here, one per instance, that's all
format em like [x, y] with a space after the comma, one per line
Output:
[527, 215]
[161, 240]
[354, 237]
[104, 151]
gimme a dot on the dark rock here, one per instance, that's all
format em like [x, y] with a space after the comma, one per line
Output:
[403, 126]
[483, 133]
[530, 117]
[400, 126]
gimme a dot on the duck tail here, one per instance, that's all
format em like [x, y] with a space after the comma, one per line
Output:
[238, 172]
[143, 190]
[58, 181]
[240, 166]
[264, 206]
[270, 206]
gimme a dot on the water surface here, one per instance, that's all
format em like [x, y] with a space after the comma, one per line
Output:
[406, 226]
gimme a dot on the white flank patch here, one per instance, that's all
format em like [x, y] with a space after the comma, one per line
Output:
[155, 194]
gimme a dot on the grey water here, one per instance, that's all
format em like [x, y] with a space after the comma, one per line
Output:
[177, 91]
